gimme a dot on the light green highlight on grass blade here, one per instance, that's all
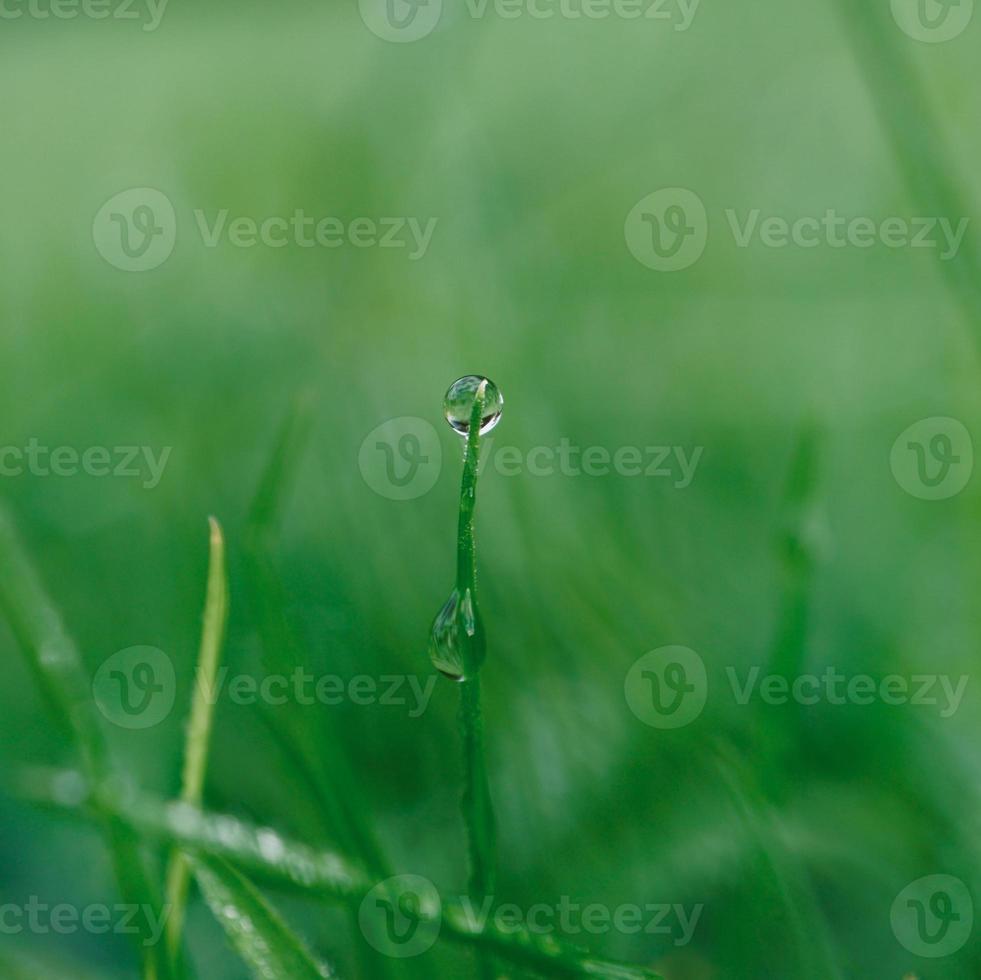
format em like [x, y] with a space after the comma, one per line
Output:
[58, 667]
[326, 874]
[199, 727]
[260, 936]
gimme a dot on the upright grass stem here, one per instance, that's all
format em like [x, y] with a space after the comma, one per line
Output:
[199, 728]
[468, 629]
[478, 810]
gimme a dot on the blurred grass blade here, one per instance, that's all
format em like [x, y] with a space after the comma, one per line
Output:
[17, 966]
[782, 880]
[279, 654]
[316, 757]
[262, 939]
[57, 664]
[800, 548]
[326, 874]
[199, 727]
[917, 141]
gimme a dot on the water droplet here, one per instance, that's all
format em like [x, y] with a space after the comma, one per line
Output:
[459, 400]
[456, 645]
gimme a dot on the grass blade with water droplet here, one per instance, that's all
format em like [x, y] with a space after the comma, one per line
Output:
[478, 810]
[199, 727]
[57, 665]
[260, 936]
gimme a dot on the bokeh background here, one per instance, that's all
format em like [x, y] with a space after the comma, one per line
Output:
[796, 545]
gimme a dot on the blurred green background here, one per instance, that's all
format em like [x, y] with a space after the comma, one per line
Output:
[795, 369]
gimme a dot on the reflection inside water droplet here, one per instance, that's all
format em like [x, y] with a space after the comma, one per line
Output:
[459, 400]
[455, 647]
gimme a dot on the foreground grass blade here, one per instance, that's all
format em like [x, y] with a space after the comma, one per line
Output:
[329, 875]
[262, 939]
[199, 727]
[55, 660]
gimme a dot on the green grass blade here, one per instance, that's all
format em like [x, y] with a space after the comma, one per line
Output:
[320, 764]
[917, 140]
[199, 727]
[477, 806]
[260, 936]
[57, 664]
[478, 810]
[799, 549]
[314, 754]
[17, 966]
[325, 874]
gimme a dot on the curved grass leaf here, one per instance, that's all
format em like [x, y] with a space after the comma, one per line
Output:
[199, 728]
[266, 944]
[57, 665]
[329, 875]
